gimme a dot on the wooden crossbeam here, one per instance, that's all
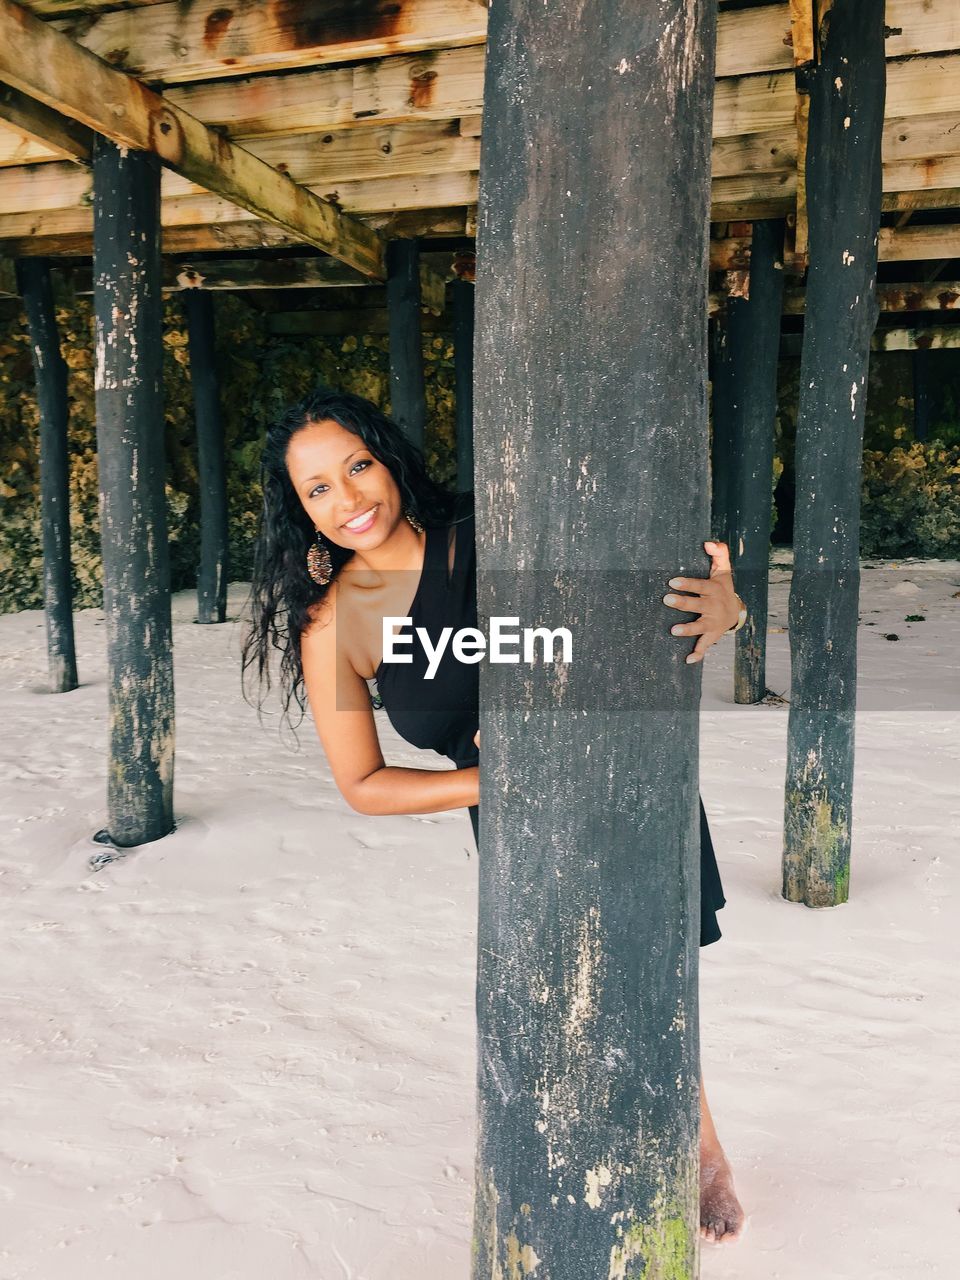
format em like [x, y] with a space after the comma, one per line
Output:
[756, 168]
[925, 296]
[37, 132]
[448, 84]
[308, 324]
[932, 338]
[919, 244]
[248, 274]
[48, 66]
[803, 41]
[207, 39]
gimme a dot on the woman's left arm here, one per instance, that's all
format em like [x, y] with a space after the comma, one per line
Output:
[715, 600]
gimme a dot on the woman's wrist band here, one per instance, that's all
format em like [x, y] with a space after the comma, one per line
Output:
[741, 619]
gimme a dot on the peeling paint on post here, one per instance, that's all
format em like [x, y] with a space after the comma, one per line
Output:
[462, 295]
[753, 343]
[50, 372]
[843, 172]
[133, 523]
[591, 444]
[211, 462]
[408, 402]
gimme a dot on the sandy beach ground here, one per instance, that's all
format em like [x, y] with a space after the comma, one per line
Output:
[248, 1049]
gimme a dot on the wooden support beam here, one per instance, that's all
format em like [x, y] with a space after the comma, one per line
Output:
[46, 65]
[591, 479]
[921, 393]
[919, 243]
[50, 373]
[929, 338]
[753, 334]
[462, 295]
[943, 296]
[350, 321]
[206, 40]
[211, 458]
[128, 340]
[231, 236]
[843, 203]
[49, 135]
[803, 41]
[408, 402]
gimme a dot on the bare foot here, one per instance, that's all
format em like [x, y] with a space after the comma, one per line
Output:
[721, 1215]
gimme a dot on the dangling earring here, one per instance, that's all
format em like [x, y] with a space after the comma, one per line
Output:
[319, 564]
[414, 522]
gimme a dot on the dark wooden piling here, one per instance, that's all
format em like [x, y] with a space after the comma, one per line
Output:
[408, 404]
[133, 524]
[753, 341]
[462, 294]
[591, 451]
[50, 372]
[723, 409]
[211, 460]
[921, 393]
[843, 182]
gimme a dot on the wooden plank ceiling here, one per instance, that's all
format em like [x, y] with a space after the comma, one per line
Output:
[377, 109]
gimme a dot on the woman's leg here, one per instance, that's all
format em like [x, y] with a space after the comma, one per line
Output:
[721, 1216]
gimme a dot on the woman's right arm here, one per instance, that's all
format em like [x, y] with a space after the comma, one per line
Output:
[340, 703]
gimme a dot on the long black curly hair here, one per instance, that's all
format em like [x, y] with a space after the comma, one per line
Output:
[282, 592]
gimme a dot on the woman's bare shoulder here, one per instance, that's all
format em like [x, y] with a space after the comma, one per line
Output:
[321, 614]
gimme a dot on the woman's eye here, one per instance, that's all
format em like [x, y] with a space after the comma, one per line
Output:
[364, 462]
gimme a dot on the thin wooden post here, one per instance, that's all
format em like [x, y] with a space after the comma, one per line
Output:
[591, 449]
[724, 407]
[921, 393]
[463, 292]
[133, 523]
[843, 170]
[753, 337]
[211, 460]
[408, 403]
[50, 372]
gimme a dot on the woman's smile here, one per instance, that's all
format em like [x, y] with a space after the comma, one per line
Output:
[364, 521]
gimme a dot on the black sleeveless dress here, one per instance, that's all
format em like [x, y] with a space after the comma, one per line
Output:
[447, 720]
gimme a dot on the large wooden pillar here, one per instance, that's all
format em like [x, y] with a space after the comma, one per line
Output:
[591, 436]
[843, 180]
[753, 339]
[463, 292]
[133, 524]
[211, 461]
[50, 372]
[408, 403]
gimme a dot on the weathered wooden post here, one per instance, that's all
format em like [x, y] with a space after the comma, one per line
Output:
[211, 461]
[408, 403]
[462, 299]
[843, 175]
[133, 522]
[50, 372]
[753, 342]
[591, 445]
[921, 393]
[723, 409]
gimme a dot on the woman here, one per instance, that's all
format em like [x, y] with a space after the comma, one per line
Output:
[354, 531]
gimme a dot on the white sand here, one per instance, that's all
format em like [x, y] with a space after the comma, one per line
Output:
[248, 1049]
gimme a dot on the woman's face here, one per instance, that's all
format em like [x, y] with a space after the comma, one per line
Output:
[352, 499]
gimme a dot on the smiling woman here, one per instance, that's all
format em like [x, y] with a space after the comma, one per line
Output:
[355, 538]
